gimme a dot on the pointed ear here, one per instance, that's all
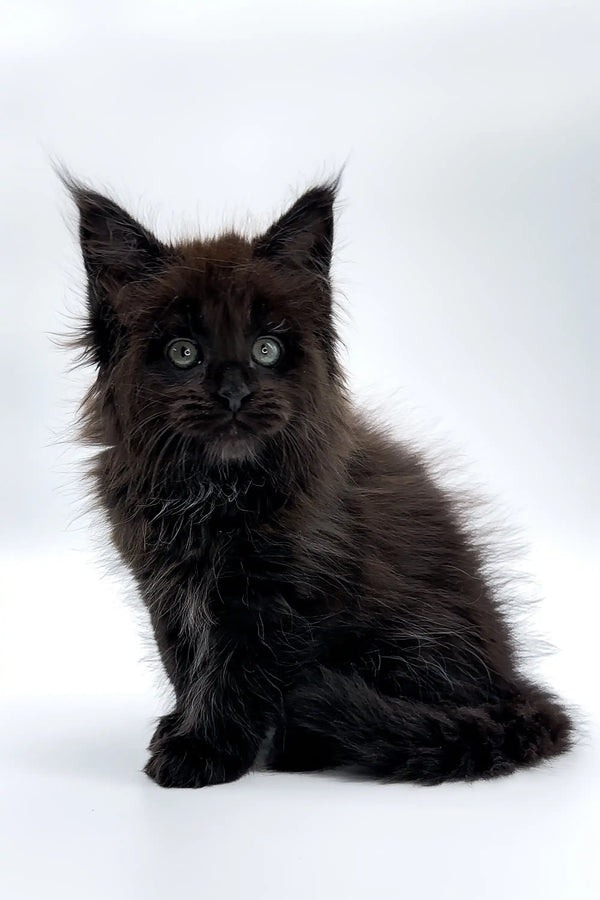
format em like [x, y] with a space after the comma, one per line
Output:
[116, 249]
[303, 236]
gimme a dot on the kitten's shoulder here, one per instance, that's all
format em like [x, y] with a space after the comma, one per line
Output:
[377, 451]
[385, 466]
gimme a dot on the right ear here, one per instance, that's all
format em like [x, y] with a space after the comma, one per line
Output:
[116, 251]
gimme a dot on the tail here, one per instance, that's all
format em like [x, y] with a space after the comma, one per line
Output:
[354, 725]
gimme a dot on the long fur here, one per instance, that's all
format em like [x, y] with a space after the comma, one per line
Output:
[304, 574]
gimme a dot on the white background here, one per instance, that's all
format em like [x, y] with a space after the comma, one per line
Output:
[467, 273]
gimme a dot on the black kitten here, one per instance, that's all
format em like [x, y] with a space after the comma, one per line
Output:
[303, 572]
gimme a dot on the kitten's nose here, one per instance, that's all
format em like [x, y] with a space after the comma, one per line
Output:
[233, 388]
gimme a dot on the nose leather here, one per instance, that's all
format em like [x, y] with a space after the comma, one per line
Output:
[233, 388]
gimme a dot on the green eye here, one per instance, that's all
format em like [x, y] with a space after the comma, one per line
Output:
[267, 351]
[183, 353]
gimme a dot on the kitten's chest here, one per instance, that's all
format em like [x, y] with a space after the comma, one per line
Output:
[224, 564]
[220, 557]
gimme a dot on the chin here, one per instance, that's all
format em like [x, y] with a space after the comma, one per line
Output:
[237, 442]
[232, 449]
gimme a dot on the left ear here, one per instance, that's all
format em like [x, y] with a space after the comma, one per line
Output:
[303, 236]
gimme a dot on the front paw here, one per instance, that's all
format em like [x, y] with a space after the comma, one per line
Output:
[186, 761]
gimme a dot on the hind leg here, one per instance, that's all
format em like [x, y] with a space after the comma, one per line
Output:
[297, 749]
[335, 719]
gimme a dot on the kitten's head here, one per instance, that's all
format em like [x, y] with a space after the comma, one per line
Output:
[223, 347]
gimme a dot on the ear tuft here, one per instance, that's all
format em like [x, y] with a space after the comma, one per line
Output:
[303, 236]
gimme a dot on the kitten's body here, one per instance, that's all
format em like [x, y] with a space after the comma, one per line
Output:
[303, 572]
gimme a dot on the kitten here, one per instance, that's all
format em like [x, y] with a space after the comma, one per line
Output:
[304, 575]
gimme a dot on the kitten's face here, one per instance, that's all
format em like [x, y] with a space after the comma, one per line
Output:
[227, 353]
[223, 346]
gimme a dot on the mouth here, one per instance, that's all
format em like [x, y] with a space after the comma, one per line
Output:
[234, 427]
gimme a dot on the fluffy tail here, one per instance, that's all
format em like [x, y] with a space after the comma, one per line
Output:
[341, 721]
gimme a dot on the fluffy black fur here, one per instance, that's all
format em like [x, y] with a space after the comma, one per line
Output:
[304, 574]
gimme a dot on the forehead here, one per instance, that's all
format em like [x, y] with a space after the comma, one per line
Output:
[218, 286]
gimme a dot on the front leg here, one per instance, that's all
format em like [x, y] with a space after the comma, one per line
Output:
[183, 757]
[225, 703]
[224, 663]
